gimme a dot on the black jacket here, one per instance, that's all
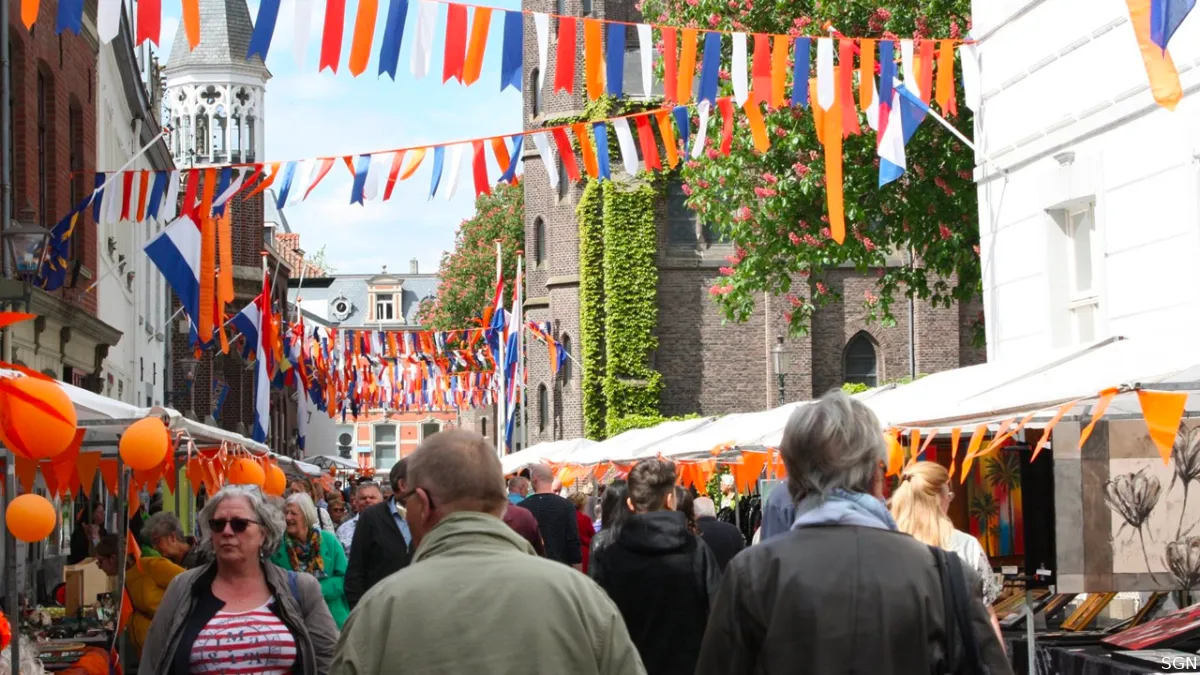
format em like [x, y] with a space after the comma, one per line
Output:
[663, 578]
[837, 599]
[724, 539]
[377, 551]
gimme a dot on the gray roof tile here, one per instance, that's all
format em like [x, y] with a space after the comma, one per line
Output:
[225, 29]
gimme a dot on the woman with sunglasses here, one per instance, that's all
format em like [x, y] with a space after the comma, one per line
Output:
[308, 548]
[240, 612]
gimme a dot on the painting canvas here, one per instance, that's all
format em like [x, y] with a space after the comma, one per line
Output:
[994, 503]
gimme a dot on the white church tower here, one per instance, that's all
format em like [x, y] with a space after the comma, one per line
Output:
[215, 97]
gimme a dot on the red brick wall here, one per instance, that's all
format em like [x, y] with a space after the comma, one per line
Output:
[67, 63]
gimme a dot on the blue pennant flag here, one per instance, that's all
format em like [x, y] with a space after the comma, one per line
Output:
[222, 184]
[510, 55]
[439, 156]
[1165, 18]
[161, 178]
[289, 173]
[800, 71]
[681, 120]
[98, 192]
[70, 16]
[710, 69]
[357, 191]
[887, 75]
[616, 59]
[511, 172]
[393, 35]
[600, 129]
[264, 29]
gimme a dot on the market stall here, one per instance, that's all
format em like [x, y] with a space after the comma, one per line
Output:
[551, 451]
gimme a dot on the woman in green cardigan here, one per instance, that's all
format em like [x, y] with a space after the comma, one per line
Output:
[308, 548]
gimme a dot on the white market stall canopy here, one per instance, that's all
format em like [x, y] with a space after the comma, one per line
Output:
[627, 446]
[551, 451]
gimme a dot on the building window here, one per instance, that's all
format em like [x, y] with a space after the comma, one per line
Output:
[560, 8]
[543, 408]
[430, 428]
[1084, 300]
[384, 310]
[567, 363]
[537, 92]
[44, 102]
[564, 181]
[859, 361]
[483, 427]
[539, 241]
[75, 141]
[385, 446]
[683, 226]
[587, 7]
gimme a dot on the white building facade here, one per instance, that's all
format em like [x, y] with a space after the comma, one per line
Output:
[1089, 191]
[132, 292]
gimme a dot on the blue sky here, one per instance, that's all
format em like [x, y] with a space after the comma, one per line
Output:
[310, 114]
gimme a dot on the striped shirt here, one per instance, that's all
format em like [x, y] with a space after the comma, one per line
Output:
[244, 643]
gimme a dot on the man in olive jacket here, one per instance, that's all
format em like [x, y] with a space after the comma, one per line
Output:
[451, 610]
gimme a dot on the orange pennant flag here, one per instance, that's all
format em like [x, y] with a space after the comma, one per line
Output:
[833, 169]
[586, 149]
[29, 12]
[191, 22]
[171, 474]
[64, 465]
[414, 161]
[1106, 398]
[914, 444]
[758, 129]
[208, 274]
[779, 71]
[364, 32]
[955, 435]
[224, 272]
[593, 58]
[895, 452]
[703, 470]
[748, 472]
[126, 610]
[687, 66]
[9, 318]
[195, 474]
[133, 548]
[134, 501]
[1162, 411]
[87, 464]
[26, 470]
[924, 446]
[266, 182]
[972, 448]
[945, 96]
[50, 477]
[1160, 68]
[108, 473]
[1062, 410]
[600, 470]
[866, 73]
[1002, 434]
[818, 114]
[475, 48]
[666, 128]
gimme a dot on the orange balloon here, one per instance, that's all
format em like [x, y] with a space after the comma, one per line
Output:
[145, 443]
[275, 482]
[27, 427]
[31, 518]
[245, 471]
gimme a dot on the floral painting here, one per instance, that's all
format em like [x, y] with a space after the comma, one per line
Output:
[994, 504]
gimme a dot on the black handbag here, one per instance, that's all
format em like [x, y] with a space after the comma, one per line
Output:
[962, 650]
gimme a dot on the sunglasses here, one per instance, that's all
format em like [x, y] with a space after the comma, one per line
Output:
[238, 525]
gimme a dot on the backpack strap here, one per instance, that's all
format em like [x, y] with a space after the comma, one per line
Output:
[294, 586]
[951, 628]
[962, 612]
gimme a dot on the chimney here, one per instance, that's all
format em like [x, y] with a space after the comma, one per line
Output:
[414, 267]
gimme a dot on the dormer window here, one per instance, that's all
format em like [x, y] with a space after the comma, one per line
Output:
[384, 308]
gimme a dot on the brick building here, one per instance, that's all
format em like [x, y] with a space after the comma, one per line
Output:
[708, 366]
[53, 155]
[216, 100]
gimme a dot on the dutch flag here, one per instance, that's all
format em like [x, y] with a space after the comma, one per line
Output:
[904, 115]
[176, 253]
[249, 323]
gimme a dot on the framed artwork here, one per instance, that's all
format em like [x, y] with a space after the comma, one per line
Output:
[1016, 615]
[1008, 603]
[1166, 631]
[994, 504]
[1057, 604]
[1148, 608]
[1083, 616]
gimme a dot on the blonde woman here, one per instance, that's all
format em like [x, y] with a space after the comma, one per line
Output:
[920, 505]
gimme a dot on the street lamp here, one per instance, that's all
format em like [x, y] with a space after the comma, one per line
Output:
[779, 358]
[25, 244]
[189, 365]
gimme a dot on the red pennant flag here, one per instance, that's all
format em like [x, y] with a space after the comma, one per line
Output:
[126, 193]
[670, 63]
[649, 145]
[568, 155]
[149, 21]
[845, 83]
[761, 68]
[726, 106]
[322, 169]
[479, 169]
[564, 60]
[925, 74]
[393, 174]
[456, 42]
[331, 39]
[190, 190]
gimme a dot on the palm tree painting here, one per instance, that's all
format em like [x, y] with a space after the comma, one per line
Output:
[983, 509]
[1002, 473]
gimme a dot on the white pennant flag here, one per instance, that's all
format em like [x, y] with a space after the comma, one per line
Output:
[542, 23]
[547, 155]
[303, 26]
[116, 190]
[234, 186]
[628, 147]
[423, 41]
[646, 50]
[738, 67]
[872, 108]
[701, 129]
[377, 171]
[108, 20]
[909, 64]
[970, 75]
[456, 155]
[172, 205]
[826, 92]
[301, 181]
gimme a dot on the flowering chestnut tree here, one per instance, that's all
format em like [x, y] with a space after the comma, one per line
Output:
[772, 205]
[467, 274]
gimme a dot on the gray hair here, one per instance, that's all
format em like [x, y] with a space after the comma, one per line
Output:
[162, 524]
[269, 517]
[704, 507]
[832, 443]
[307, 508]
[369, 485]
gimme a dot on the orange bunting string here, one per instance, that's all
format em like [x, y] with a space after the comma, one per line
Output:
[866, 73]
[1106, 398]
[779, 70]
[666, 128]
[1062, 411]
[1163, 411]
[972, 448]
[586, 150]
[478, 44]
[946, 98]
[593, 58]
[108, 473]
[26, 470]
[758, 129]
[833, 171]
[955, 436]
[687, 64]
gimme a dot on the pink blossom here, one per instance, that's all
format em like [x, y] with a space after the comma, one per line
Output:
[713, 154]
[763, 192]
[722, 74]
[693, 3]
[781, 132]
[825, 230]
[802, 22]
[811, 240]
[976, 247]
[801, 169]
[922, 27]
[787, 316]
[714, 20]
[821, 289]
[721, 181]
[743, 214]
[733, 4]
[794, 239]
[955, 31]
[693, 164]
[965, 175]
[687, 189]
[770, 177]
[944, 231]
[703, 184]
[727, 271]
[877, 20]
[795, 302]
[714, 290]
[868, 244]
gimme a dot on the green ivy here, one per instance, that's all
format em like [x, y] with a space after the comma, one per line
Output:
[591, 308]
[643, 422]
[852, 388]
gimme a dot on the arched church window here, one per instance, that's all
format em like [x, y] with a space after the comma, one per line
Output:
[860, 362]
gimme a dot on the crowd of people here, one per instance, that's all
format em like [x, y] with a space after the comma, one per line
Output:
[451, 569]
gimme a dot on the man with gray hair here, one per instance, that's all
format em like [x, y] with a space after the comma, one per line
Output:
[836, 593]
[164, 535]
[367, 494]
[518, 489]
[474, 569]
[724, 539]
